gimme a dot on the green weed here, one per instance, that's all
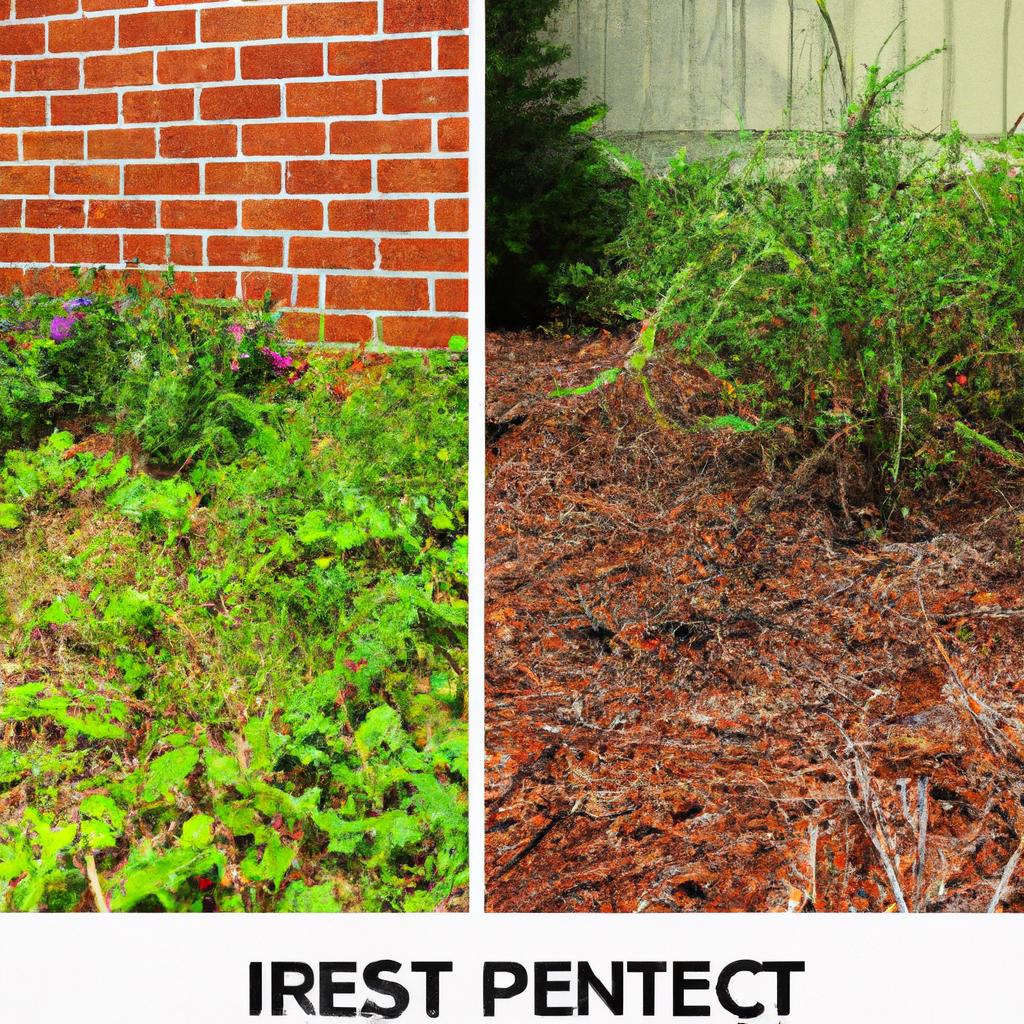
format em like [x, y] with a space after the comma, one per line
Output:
[233, 633]
[861, 288]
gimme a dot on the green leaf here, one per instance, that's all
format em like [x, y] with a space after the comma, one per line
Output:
[167, 771]
[197, 832]
[10, 516]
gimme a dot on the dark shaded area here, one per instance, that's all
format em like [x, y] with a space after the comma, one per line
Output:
[553, 198]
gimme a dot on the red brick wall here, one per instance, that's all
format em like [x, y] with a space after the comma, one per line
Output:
[315, 148]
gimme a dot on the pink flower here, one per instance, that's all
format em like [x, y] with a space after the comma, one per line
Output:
[237, 331]
[279, 364]
[60, 328]
[235, 366]
[1014, 172]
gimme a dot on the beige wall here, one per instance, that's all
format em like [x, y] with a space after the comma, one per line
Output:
[672, 67]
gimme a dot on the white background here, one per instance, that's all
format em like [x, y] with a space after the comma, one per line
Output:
[189, 969]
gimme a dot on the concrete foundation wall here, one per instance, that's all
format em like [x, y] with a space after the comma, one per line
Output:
[673, 71]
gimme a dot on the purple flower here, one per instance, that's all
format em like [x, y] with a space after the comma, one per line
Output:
[237, 330]
[60, 328]
[279, 364]
[78, 303]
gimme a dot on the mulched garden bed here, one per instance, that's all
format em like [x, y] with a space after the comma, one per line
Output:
[707, 690]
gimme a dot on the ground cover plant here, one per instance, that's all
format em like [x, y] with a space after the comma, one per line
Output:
[756, 540]
[232, 632]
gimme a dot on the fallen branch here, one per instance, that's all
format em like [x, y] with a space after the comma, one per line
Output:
[1004, 881]
[94, 885]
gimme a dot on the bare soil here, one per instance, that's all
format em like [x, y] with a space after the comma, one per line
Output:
[715, 685]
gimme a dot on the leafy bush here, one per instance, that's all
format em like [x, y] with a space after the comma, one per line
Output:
[861, 288]
[554, 197]
[240, 686]
[162, 366]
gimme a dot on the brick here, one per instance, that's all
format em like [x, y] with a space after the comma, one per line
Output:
[256, 283]
[161, 179]
[122, 144]
[55, 213]
[350, 330]
[161, 105]
[118, 69]
[442, 254]
[235, 102]
[54, 145]
[92, 108]
[420, 175]
[199, 140]
[379, 215]
[158, 250]
[451, 296]
[425, 15]
[386, 56]
[307, 292]
[331, 99]
[10, 213]
[332, 253]
[47, 75]
[422, 331]
[17, 110]
[51, 280]
[327, 19]
[282, 60]
[400, 293]
[177, 66]
[122, 213]
[451, 215]
[292, 138]
[86, 248]
[46, 8]
[246, 251]
[243, 178]
[23, 180]
[211, 285]
[381, 137]
[22, 247]
[6, 75]
[453, 53]
[231, 24]
[316, 177]
[157, 28]
[203, 213]
[19, 40]
[81, 35]
[453, 135]
[87, 180]
[426, 95]
[9, 148]
[283, 214]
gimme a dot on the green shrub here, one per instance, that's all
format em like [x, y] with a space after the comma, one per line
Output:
[863, 287]
[553, 196]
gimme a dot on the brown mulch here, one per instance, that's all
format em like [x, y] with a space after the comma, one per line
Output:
[713, 685]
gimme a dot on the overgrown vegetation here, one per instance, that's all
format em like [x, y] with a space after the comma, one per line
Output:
[553, 197]
[857, 293]
[232, 634]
